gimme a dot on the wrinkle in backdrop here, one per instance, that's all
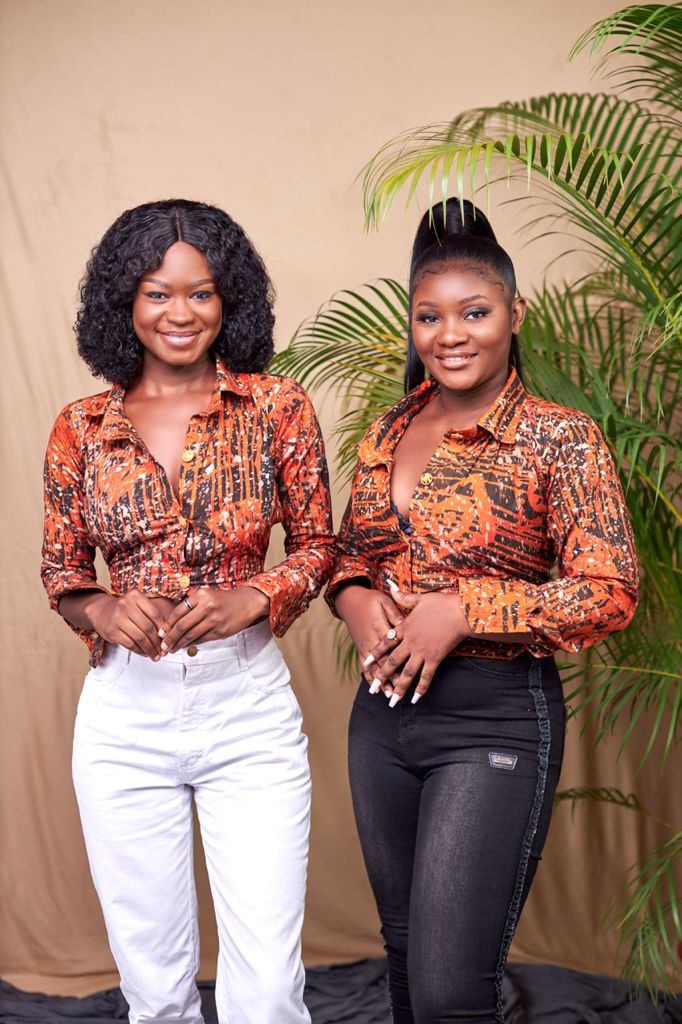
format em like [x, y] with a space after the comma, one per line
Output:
[268, 110]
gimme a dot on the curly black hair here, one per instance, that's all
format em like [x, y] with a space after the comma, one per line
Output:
[135, 244]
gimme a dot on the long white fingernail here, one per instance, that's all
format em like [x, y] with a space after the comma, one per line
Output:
[368, 660]
[394, 700]
[415, 697]
[393, 586]
[376, 686]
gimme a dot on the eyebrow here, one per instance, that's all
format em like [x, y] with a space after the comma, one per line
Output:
[469, 298]
[165, 284]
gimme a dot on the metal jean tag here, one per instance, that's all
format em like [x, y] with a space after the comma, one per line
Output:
[507, 761]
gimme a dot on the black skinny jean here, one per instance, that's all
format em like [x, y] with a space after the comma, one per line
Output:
[452, 798]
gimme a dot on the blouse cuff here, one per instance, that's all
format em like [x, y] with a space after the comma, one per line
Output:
[60, 588]
[352, 572]
[283, 610]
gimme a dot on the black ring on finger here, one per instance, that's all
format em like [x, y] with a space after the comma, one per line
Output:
[186, 603]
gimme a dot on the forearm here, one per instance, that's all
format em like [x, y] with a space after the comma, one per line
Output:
[346, 595]
[78, 607]
[257, 603]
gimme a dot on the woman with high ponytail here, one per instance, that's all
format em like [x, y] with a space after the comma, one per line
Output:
[486, 530]
[440, 232]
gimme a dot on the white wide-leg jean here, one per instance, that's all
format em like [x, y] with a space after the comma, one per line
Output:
[219, 726]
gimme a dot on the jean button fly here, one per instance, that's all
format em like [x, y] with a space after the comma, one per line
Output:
[192, 650]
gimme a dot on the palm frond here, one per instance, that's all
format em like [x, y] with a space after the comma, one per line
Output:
[354, 348]
[631, 675]
[450, 157]
[618, 186]
[605, 795]
[354, 338]
[663, 322]
[649, 921]
[652, 34]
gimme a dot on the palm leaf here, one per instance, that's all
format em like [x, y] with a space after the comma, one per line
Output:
[651, 33]
[637, 671]
[355, 338]
[605, 795]
[649, 921]
[354, 348]
[629, 675]
[619, 186]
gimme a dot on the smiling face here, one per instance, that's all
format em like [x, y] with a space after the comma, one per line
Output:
[177, 312]
[462, 323]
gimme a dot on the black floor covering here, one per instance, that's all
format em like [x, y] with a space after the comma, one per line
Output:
[356, 994]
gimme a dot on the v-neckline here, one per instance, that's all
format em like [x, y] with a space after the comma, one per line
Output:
[408, 517]
[137, 436]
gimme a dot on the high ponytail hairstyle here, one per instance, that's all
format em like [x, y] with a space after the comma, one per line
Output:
[451, 233]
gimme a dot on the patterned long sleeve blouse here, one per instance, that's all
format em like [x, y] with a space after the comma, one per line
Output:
[522, 515]
[253, 459]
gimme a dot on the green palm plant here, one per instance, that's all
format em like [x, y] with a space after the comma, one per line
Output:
[605, 174]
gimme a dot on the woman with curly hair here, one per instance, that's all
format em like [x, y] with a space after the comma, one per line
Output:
[486, 530]
[177, 474]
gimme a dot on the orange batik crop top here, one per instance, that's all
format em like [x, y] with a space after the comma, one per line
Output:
[522, 515]
[253, 459]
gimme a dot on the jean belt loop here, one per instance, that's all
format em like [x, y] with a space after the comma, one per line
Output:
[535, 674]
[242, 651]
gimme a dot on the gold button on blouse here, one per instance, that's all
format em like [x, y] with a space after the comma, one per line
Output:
[187, 455]
[184, 582]
[426, 478]
[182, 521]
[192, 650]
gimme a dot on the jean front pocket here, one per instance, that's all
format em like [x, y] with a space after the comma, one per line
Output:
[500, 668]
[268, 672]
[101, 679]
[485, 688]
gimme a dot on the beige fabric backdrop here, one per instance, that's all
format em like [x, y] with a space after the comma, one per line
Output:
[268, 109]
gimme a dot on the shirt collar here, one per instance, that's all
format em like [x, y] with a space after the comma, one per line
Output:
[501, 419]
[111, 406]
[377, 446]
[227, 380]
[115, 423]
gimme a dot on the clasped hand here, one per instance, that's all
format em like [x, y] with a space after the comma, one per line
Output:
[212, 614]
[153, 627]
[401, 638]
